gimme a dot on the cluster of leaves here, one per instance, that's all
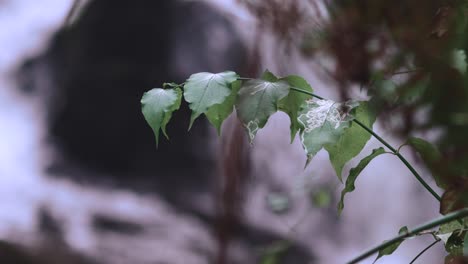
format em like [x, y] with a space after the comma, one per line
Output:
[369, 42]
[342, 129]
[320, 123]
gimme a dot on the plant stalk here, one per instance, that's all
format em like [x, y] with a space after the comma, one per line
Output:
[407, 164]
[385, 143]
[424, 250]
[438, 221]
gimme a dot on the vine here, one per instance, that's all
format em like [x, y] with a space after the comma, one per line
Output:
[342, 129]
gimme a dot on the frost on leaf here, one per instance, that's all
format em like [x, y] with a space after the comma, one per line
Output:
[252, 128]
[323, 122]
[321, 111]
[257, 101]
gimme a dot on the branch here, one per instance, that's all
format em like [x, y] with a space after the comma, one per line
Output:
[386, 144]
[438, 221]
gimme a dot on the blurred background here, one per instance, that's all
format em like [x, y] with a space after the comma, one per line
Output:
[81, 180]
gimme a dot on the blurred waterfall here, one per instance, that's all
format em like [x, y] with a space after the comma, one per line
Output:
[386, 197]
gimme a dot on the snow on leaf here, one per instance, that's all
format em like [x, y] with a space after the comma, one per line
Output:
[444, 237]
[252, 128]
[257, 101]
[292, 103]
[322, 122]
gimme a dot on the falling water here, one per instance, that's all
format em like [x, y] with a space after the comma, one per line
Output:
[386, 196]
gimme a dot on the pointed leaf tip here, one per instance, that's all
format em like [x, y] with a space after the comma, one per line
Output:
[354, 173]
[157, 108]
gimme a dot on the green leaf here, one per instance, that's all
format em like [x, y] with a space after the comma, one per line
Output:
[292, 103]
[322, 122]
[157, 107]
[257, 101]
[391, 248]
[269, 76]
[450, 227]
[353, 139]
[354, 173]
[453, 234]
[203, 90]
[459, 61]
[217, 113]
[429, 154]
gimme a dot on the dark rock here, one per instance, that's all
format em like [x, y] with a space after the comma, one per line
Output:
[97, 69]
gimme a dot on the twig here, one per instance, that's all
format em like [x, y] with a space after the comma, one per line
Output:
[439, 221]
[424, 250]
